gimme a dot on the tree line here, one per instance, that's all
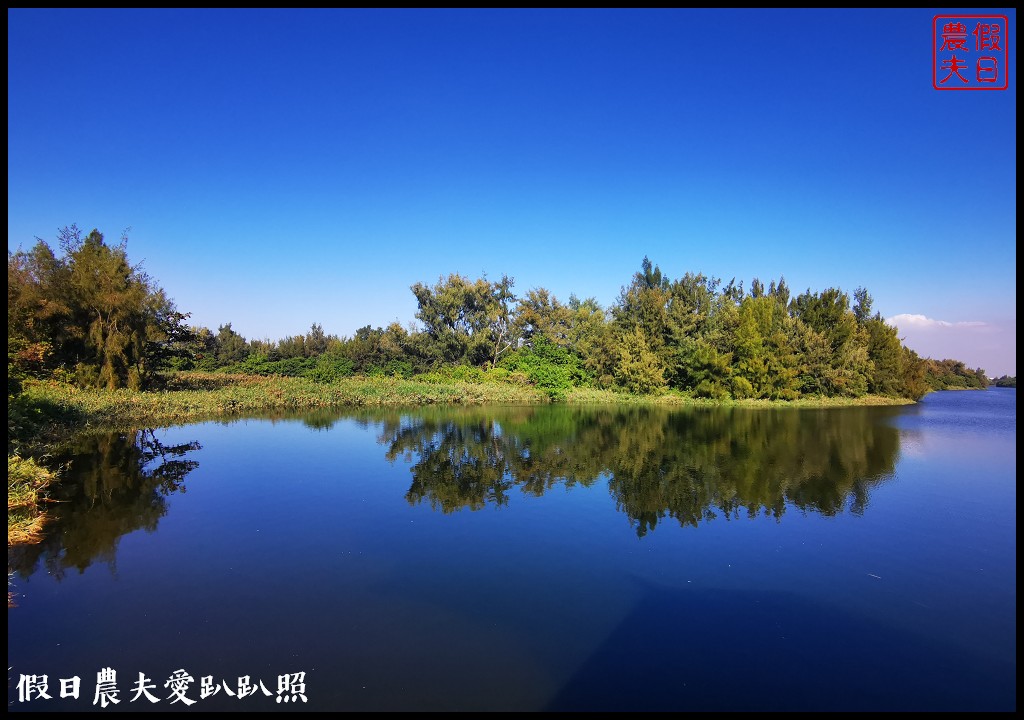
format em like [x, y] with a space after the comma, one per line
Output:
[86, 315]
[660, 464]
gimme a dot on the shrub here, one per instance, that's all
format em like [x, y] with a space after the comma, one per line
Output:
[547, 366]
[330, 368]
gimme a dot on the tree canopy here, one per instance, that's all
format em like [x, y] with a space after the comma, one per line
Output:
[88, 315]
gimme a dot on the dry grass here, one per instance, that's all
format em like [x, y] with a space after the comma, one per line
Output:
[25, 526]
[26, 484]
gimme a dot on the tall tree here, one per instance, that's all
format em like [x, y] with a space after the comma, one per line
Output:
[230, 346]
[540, 314]
[500, 311]
[828, 314]
[316, 340]
[862, 305]
[467, 321]
[96, 314]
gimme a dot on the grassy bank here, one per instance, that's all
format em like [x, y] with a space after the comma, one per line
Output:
[197, 396]
[47, 411]
[26, 484]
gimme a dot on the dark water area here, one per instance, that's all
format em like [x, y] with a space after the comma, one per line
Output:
[536, 558]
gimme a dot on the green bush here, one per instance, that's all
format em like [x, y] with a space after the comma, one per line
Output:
[547, 366]
[454, 373]
[709, 389]
[741, 388]
[398, 368]
[330, 368]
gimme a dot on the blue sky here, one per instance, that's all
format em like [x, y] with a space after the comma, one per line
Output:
[280, 168]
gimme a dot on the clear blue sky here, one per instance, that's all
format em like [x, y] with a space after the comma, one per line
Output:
[279, 168]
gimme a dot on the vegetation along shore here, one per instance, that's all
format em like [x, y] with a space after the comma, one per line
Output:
[94, 341]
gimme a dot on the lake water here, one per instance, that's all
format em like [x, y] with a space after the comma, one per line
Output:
[542, 558]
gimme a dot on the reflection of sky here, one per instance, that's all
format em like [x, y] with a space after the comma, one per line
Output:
[912, 443]
[963, 411]
[296, 550]
[940, 424]
[949, 445]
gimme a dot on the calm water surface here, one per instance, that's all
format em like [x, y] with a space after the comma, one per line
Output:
[553, 558]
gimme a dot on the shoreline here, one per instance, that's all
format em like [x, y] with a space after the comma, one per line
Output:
[202, 396]
[50, 413]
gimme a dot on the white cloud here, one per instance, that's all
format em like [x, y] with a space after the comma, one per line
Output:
[905, 320]
[978, 344]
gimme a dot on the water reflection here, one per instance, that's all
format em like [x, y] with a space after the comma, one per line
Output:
[117, 483]
[692, 466]
[688, 465]
[471, 459]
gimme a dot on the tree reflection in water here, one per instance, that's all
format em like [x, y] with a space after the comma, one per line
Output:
[116, 483]
[693, 465]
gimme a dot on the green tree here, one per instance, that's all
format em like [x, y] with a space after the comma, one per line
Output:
[639, 369]
[765, 352]
[591, 336]
[828, 315]
[467, 321]
[862, 305]
[171, 343]
[693, 359]
[92, 311]
[293, 346]
[914, 386]
[643, 306]
[40, 331]
[540, 314]
[316, 340]
[500, 312]
[780, 291]
[204, 349]
[886, 354]
[815, 374]
[230, 346]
